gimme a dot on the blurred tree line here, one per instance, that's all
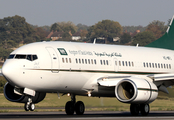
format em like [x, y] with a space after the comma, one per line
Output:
[15, 31]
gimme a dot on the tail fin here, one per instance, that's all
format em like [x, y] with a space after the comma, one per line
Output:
[167, 40]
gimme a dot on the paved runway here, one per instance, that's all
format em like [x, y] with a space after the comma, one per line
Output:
[103, 115]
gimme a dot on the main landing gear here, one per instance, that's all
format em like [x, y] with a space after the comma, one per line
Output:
[136, 108]
[73, 106]
[29, 105]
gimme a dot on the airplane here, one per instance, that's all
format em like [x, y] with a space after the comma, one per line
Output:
[132, 74]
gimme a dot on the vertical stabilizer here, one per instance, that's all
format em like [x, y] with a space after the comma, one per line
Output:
[167, 40]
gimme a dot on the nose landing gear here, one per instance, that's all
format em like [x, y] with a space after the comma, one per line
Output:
[29, 105]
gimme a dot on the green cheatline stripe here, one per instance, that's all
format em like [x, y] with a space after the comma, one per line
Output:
[124, 72]
[148, 89]
[100, 71]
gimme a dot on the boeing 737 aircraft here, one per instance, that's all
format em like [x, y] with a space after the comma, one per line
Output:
[132, 74]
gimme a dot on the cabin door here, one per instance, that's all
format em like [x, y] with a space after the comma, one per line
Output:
[116, 65]
[54, 60]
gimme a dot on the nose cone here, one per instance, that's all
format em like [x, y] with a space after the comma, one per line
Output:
[8, 71]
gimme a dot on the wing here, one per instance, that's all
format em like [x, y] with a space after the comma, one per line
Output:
[162, 81]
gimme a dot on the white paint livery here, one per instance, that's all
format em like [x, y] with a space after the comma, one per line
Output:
[132, 74]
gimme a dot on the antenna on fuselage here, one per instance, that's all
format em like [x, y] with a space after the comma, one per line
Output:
[94, 41]
[137, 45]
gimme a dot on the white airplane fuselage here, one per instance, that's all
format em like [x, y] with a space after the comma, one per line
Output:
[68, 67]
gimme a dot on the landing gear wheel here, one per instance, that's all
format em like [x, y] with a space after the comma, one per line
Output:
[26, 107]
[134, 109]
[79, 108]
[144, 108]
[31, 107]
[69, 108]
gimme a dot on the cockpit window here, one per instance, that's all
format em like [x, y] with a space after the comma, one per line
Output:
[34, 57]
[11, 56]
[29, 57]
[20, 56]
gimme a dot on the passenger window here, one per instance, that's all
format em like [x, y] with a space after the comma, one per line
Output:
[95, 62]
[164, 66]
[86, 61]
[79, 61]
[101, 62]
[158, 65]
[123, 63]
[119, 63]
[144, 64]
[129, 63]
[150, 65]
[76, 60]
[126, 63]
[91, 61]
[104, 62]
[82, 61]
[107, 62]
[169, 66]
[161, 65]
[147, 64]
[153, 65]
[63, 60]
[132, 63]
[116, 63]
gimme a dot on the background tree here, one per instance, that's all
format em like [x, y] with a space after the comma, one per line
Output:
[82, 27]
[41, 33]
[68, 27]
[157, 27]
[132, 29]
[107, 29]
[143, 38]
[83, 33]
[125, 38]
[14, 28]
[4, 53]
[56, 27]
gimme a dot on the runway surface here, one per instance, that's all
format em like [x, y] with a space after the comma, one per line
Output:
[105, 115]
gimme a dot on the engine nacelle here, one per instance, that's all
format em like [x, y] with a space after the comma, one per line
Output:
[136, 90]
[13, 97]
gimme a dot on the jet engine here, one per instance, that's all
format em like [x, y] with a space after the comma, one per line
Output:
[136, 90]
[13, 97]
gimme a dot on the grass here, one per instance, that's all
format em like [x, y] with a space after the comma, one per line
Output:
[91, 103]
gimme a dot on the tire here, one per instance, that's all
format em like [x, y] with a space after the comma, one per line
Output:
[79, 108]
[144, 108]
[134, 109]
[69, 108]
[31, 107]
[26, 107]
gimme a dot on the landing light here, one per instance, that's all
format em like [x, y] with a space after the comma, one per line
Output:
[89, 94]
[68, 94]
